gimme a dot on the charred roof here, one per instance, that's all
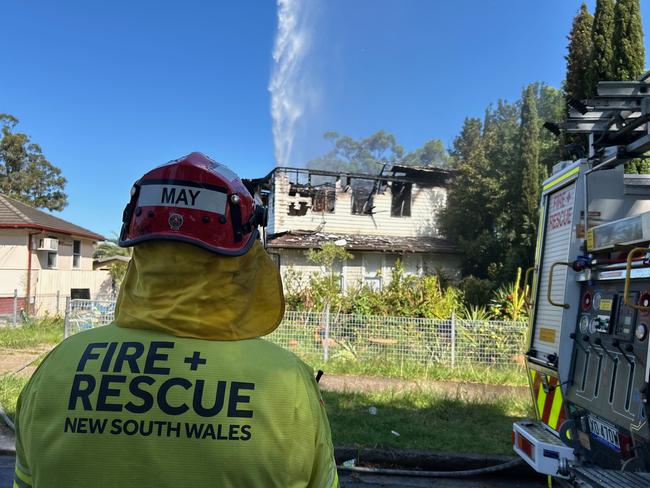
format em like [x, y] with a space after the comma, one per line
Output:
[419, 175]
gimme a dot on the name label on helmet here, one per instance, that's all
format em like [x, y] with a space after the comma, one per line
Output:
[183, 197]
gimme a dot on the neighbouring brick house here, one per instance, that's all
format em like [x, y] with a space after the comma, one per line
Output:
[378, 219]
[44, 259]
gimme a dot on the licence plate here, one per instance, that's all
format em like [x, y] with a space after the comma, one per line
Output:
[604, 432]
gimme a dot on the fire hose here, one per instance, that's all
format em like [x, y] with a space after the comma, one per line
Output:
[434, 474]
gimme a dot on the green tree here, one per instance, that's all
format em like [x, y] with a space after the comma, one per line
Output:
[530, 185]
[25, 173]
[578, 77]
[326, 286]
[471, 216]
[602, 36]
[629, 51]
[110, 248]
[432, 153]
[485, 209]
[551, 107]
[367, 155]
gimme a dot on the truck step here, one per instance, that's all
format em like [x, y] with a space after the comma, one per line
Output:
[590, 477]
[540, 448]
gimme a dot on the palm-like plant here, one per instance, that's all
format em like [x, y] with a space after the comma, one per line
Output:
[509, 302]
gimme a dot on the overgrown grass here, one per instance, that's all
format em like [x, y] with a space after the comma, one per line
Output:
[497, 375]
[32, 334]
[10, 388]
[425, 420]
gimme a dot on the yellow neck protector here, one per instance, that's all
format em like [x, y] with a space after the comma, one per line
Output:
[186, 291]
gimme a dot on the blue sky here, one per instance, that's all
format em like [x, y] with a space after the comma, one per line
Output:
[112, 89]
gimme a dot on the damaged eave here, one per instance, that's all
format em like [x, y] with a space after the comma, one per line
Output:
[371, 243]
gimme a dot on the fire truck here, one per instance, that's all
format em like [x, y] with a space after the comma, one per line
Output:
[587, 359]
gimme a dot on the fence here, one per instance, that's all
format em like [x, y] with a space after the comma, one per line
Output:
[323, 337]
[86, 314]
[401, 340]
[14, 308]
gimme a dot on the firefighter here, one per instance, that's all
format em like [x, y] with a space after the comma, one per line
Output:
[180, 390]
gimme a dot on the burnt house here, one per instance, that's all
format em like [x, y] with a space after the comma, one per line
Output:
[377, 218]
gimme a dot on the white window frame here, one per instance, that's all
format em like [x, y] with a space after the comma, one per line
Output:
[378, 278]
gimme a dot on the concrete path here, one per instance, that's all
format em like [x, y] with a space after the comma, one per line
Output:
[7, 439]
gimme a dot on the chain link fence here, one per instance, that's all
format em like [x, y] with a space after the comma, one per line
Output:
[400, 341]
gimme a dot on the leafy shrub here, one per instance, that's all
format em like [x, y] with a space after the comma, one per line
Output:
[477, 291]
[475, 313]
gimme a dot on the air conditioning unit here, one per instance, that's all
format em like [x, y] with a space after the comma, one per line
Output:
[47, 244]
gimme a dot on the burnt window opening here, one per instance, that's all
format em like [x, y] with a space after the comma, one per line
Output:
[323, 199]
[363, 200]
[401, 199]
[298, 209]
[300, 190]
[363, 195]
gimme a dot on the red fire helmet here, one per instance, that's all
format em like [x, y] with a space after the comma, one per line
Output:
[195, 200]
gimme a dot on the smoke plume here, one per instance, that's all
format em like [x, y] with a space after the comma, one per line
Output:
[289, 86]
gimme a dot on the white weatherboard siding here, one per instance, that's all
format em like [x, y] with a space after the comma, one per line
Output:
[45, 281]
[13, 260]
[64, 254]
[426, 203]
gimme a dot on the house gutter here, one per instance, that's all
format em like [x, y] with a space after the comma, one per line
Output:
[41, 228]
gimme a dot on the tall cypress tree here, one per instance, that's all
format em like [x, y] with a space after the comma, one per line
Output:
[602, 35]
[578, 77]
[629, 52]
[530, 187]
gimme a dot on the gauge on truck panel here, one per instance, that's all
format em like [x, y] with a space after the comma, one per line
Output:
[584, 324]
[641, 332]
[596, 303]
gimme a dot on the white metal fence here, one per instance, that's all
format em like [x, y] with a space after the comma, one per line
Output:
[86, 314]
[322, 337]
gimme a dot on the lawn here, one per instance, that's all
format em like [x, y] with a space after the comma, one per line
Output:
[425, 420]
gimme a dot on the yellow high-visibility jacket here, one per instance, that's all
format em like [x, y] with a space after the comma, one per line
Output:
[139, 405]
[116, 407]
